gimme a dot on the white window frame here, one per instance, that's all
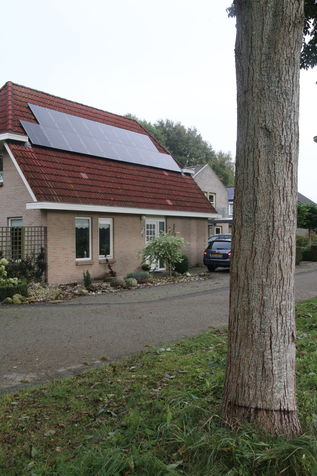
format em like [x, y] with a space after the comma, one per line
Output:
[90, 254]
[107, 221]
[230, 209]
[19, 249]
[211, 198]
[11, 219]
[156, 221]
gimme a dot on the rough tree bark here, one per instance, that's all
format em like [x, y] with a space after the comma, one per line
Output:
[260, 377]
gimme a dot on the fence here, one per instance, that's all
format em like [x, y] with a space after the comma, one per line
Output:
[18, 243]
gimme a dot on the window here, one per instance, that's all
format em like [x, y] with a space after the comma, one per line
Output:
[230, 209]
[105, 238]
[153, 227]
[16, 234]
[212, 198]
[83, 238]
[218, 230]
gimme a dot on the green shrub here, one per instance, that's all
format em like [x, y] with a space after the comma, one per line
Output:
[301, 241]
[30, 268]
[313, 252]
[140, 276]
[299, 254]
[310, 254]
[182, 266]
[306, 254]
[9, 290]
[87, 278]
[166, 248]
[145, 267]
[130, 282]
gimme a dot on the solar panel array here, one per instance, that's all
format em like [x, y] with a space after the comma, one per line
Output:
[62, 131]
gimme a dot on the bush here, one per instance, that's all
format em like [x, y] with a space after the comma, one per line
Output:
[130, 282]
[299, 254]
[145, 267]
[301, 241]
[9, 290]
[140, 276]
[87, 279]
[166, 248]
[182, 266]
[313, 252]
[31, 268]
[310, 254]
[10, 286]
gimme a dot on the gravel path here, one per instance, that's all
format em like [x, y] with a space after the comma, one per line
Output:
[42, 341]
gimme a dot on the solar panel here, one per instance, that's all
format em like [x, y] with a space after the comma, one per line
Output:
[62, 131]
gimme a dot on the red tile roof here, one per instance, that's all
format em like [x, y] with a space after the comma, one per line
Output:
[57, 176]
[14, 100]
[64, 177]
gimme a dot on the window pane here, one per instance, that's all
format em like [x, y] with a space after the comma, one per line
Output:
[82, 238]
[150, 231]
[16, 221]
[104, 239]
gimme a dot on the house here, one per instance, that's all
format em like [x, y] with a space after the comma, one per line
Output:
[300, 198]
[230, 195]
[304, 200]
[209, 182]
[96, 185]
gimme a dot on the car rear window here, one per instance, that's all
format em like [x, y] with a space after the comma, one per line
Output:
[221, 245]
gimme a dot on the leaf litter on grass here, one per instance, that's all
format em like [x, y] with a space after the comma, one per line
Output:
[154, 413]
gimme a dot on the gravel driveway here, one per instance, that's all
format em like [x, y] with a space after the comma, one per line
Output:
[42, 341]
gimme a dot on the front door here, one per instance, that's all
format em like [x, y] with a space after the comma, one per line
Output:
[153, 227]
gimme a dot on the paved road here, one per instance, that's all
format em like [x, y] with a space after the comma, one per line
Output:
[39, 342]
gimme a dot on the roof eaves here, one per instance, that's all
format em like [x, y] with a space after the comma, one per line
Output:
[115, 209]
[26, 183]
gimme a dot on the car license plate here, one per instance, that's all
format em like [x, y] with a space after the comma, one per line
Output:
[217, 255]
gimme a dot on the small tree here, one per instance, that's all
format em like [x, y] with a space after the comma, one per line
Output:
[307, 218]
[165, 247]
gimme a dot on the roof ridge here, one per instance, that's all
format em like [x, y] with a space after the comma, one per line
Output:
[12, 85]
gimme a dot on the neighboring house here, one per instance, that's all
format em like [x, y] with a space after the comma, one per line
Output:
[209, 182]
[97, 185]
[304, 200]
[230, 196]
[301, 199]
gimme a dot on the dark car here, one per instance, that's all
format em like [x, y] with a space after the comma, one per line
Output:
[218, 254]
[222, 236]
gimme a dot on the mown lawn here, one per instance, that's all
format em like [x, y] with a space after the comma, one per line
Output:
[156, 413]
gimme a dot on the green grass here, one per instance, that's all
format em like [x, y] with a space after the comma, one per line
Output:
[154, 414]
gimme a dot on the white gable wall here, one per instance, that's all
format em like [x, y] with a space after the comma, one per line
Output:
[208, 181]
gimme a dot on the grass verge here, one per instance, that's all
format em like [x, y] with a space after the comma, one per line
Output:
[154, 414]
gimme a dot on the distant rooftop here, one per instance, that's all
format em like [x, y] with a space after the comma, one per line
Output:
[303, 199]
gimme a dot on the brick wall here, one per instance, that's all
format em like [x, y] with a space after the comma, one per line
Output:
[62, 264]
[128, 237]
[14, 196]
[194, 231]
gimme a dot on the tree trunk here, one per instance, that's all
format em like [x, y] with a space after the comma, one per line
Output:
[260, 377]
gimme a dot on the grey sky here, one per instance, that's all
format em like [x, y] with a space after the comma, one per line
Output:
[171, 59]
